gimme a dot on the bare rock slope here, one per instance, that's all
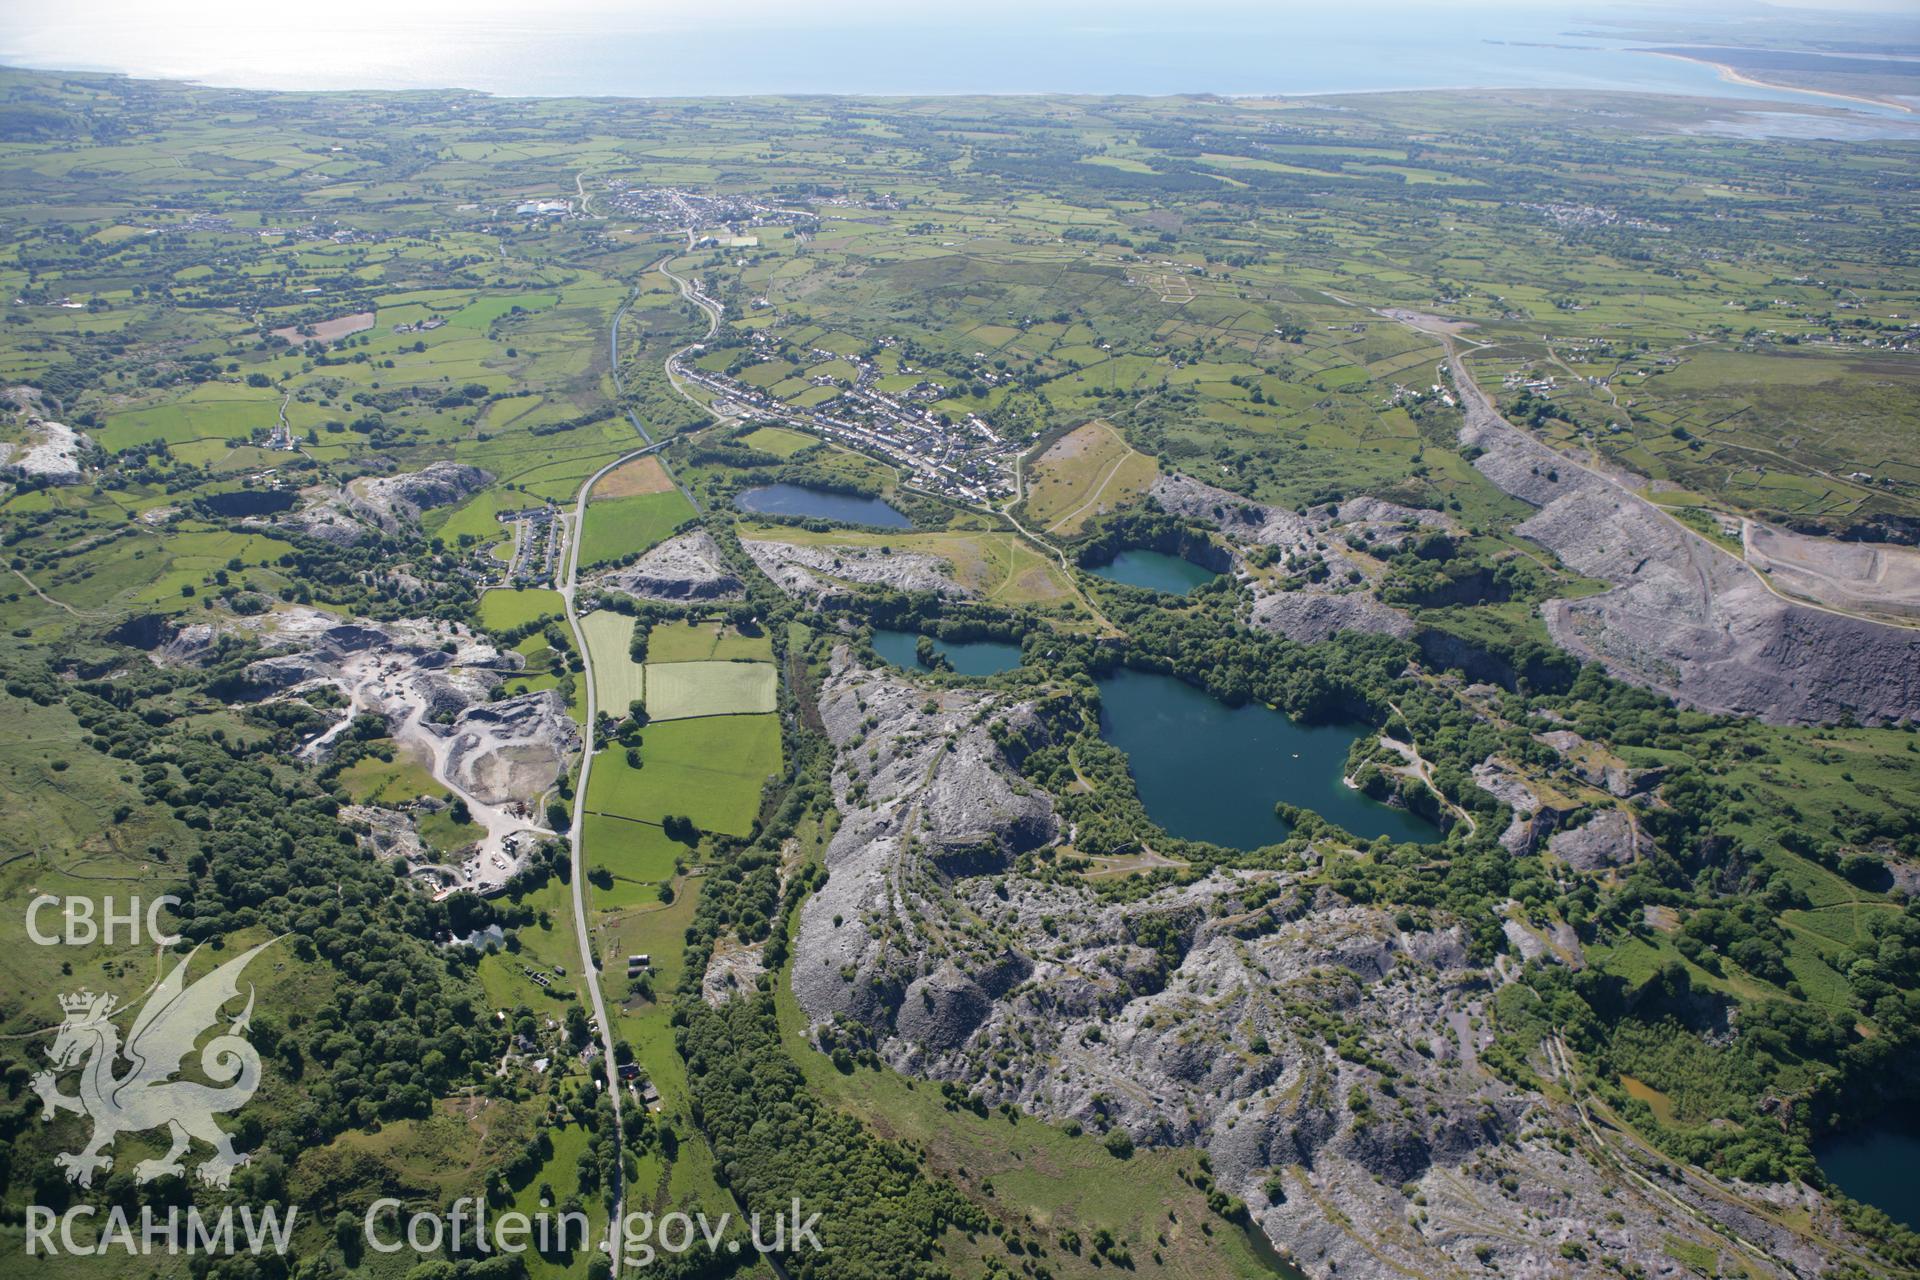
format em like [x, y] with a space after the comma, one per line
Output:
[391, 501]
[687, 567]
[1311, 612]
[34, 445]
[352, 513]
[828, 572]
[1328, 1060]
[1685, 617]
[323, 512]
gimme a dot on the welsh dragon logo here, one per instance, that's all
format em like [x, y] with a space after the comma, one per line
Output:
[147, 1096]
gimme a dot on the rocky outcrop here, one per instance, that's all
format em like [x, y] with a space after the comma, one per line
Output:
[1557, 943]
[687, 567]
[168, 641]
[735, 967]
[46, 451]
[1310, 612]
[1379, 512]
[1241, 519]
[822, 573]
[386, 832]
[324, 513]
[1200, 1014]
[394, 501]
[347, 515]
[1596, 766]
[928, 799]
[1608, 839]
[732, 970]
[1308, 617]
[430, 671]
[1685, 617]
[1533, 821]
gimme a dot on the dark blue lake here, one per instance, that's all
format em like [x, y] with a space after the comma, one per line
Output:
[1155, 570]
[823, 504]
[1207, 771]
[969, 657]
[1877, 1168]
[248, 502]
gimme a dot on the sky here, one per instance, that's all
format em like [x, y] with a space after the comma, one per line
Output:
[643, 47]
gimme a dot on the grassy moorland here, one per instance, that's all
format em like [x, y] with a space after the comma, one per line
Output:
[1086, 473]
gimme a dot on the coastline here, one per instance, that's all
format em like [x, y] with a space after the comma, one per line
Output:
[1733, 75]
[1473, 81]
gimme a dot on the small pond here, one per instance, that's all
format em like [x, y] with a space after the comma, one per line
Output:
[824, 504]
[248, 502]
[1155, 570]
[1207, 771]
[969, 657]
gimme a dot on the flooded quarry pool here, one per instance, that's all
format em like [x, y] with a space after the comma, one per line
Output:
[1876, 1166]
[824, 504]
[967, 657]
[1155, 570]
[248, 502]
[1207, 771]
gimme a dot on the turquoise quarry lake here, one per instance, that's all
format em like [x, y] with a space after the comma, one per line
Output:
[1207, 771]
[799, 500]
[969, 657]
[1155, 569]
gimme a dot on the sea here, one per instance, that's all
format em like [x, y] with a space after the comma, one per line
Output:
[671, 48]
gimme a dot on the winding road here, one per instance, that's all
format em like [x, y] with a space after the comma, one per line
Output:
[698, 299]
[58, 604]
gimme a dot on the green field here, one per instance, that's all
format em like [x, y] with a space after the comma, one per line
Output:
[696, 641]
[778, 441]
[389, 782]
[710, 770]
[476, 520]
[546, 947]
[504, 608]
[621, 527]
[658, 930]
[617, 678]
[1090, 471]
[481, 313]
[637, 853]
[683, 690]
